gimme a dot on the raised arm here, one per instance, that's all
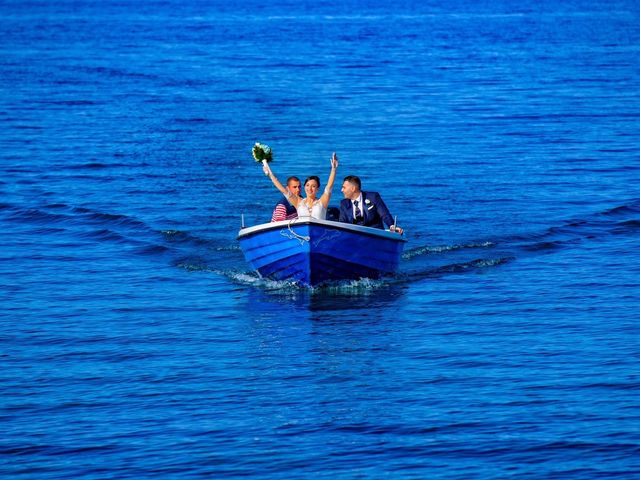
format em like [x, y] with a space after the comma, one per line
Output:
[292, 198]
[326, 196]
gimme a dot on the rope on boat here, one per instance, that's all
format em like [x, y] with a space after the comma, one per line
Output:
[301, 238]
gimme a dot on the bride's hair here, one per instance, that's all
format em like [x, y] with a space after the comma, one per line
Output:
[312, 177]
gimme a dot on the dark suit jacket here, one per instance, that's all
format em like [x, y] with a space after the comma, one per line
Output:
[374, 210]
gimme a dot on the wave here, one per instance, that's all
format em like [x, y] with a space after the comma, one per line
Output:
[136, 237]
[37, 216]
[196, 120]
[452, 268]
[184, 237]
[251, 279]
[113, 219]
[427, 250]
[197, 253]
[363, 285]
[622, 219]
[105, 234]
[254, 280]
[152, 250]
[622, 210]
[193, 265]
[427, 261]
[629, 223]
[73, 215]
[109, 72]
[85, 223]
[96, 166]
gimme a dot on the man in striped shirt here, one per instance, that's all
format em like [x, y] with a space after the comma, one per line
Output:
[284, 210]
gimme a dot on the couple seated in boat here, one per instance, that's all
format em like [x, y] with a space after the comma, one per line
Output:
[358, 207]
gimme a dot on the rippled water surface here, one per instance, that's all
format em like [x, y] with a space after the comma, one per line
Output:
[136, 343]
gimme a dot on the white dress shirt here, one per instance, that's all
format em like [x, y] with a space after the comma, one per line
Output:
[360, 206]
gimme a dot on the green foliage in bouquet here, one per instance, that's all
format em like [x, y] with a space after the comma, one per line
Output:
[262, 152]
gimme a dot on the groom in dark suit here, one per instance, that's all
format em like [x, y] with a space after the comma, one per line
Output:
[364, 208]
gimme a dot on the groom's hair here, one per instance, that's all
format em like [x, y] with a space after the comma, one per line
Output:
[352, 179]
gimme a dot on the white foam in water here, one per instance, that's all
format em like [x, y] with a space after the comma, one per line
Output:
[342, 286]
[245, 278]
[255, 280]
[492, 262]
[228, 248]
[192, 267]
[363, 285]
[172, 233]
[443, 248]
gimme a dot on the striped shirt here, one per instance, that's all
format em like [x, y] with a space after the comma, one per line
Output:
[284, 211]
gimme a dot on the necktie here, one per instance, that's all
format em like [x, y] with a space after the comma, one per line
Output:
[358, 219]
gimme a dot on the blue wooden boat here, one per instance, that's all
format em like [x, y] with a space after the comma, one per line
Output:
[311, 251]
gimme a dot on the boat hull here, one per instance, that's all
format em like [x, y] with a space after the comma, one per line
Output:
[311, 252]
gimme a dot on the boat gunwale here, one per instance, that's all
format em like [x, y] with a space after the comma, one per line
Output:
[265, 227]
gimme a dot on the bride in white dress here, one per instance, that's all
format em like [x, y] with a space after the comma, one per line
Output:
[309, 206]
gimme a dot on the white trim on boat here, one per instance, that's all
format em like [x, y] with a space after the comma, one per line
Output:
[377, 232]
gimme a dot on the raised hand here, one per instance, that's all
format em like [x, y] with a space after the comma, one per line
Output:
[266, 169]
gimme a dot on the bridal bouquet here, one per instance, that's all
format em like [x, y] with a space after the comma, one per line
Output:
[262, 153]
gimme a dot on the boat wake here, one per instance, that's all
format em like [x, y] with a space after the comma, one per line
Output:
[363, 285]
[428, 250]
[222, 257]
[429, 261]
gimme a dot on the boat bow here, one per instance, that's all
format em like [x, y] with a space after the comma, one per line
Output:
[311, 251]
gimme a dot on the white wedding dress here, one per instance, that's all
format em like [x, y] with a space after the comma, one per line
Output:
[317, 210]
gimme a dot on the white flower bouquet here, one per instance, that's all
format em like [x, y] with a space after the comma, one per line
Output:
[262, 153]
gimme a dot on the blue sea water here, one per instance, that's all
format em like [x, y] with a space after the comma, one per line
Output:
[136, 343]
